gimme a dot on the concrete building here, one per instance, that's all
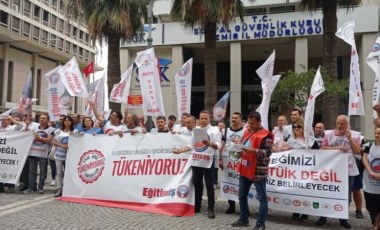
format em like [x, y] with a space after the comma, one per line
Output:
[269, 25]
[36, 35]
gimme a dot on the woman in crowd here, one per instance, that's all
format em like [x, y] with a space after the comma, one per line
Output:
[297, 141]
[60, 142]
[88, 127]
[371, 180]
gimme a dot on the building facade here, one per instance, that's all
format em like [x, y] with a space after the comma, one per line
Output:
[36, 35]
[269, 25]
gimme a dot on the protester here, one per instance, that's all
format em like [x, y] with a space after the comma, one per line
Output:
[341, 139]
[88, 127]
[172, 119]
[133, 124]
[61, 140]
[77, 124]
[371, 180]
[296, 114]
[233, 134]
[38, 154]
[179, 128]
[6, 126]
[212, 144]
[161, 124]
[258, 145]
[278, 133]
[221, 127]
[297, 140]
[357, 194]
[319, 133]
[112, 126]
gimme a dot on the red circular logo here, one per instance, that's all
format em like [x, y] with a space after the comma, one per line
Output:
[338, 207]
[296, 203]
[91, 166]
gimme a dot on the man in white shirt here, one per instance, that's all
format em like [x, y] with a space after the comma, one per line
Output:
[278, 133]
[341, 139]
[207, 148]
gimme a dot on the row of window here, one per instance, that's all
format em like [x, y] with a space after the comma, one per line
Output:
[43, 37]
[48, 18]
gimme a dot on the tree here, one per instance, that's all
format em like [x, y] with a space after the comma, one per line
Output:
[207, 14]
[293, 88]
[329, 10]
[112, 21]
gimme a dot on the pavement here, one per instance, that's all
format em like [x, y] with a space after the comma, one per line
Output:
[35, 211]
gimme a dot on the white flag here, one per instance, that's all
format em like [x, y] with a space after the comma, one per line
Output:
[96, 90]
[266, 70]
[268, 83]
[355, 106]
[72, 79]
[55, 92]
[120, 91]
[267, 86]
[373, 60]
[316, 89]
[149, 76]
[183, 87]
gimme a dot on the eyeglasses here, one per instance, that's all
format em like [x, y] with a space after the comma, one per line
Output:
[297, 126]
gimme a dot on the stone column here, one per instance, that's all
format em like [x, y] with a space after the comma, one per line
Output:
[301, 55]
[235, 77]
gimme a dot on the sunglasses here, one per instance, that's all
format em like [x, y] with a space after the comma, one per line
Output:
[297, 126]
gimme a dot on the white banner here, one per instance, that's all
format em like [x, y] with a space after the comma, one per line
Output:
[57, 101]
[14, 149]
[373, 60]
[183, 87]
[96, 91]
[149, 76]
[142, 174]
[120, 91]
[355, 105]
[72, 79]
[303, 181]
[317, 88]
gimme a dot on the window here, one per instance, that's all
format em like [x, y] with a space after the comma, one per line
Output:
[45, 17]
[81, 35]
[61, 6]
[68, 29]
[53, 40]
[5, 2]
[16, 5]
[54, 4]
[80, 51]
[75, 33]
[223, 73]
[61, 24]
[60, 43]
[53, 21]
[45, 36]
[4, 18]
[36, 33]
[27, 8]
[68, 47]
[26, 28]
[75, 49]
[15, 24]
[37, 12]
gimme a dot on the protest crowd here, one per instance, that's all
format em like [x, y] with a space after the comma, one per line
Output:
[298, 167]
[51, 139]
